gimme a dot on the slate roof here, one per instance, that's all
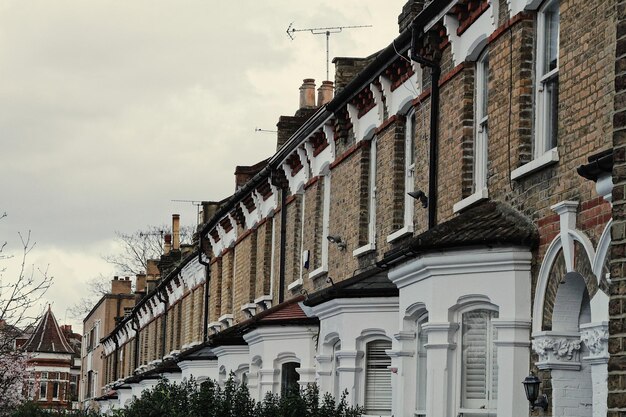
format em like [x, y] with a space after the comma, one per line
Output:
[490, 223]
[369, 283]
[48, 337]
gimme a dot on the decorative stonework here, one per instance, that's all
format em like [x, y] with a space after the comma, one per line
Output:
[557, 350]
[596, 338]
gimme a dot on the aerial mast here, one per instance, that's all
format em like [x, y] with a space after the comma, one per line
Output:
[323, 31]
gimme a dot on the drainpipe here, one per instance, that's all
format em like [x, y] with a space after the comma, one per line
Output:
[134, 324]
[162, 296]
[207, 276]
[434, 117]
[117, 346]
[283, 244]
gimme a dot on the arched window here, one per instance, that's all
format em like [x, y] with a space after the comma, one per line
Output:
[289, 378]
[377, 378]
[479, 366]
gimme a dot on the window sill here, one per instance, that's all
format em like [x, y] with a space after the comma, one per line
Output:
[548, 158]
[477, 197]
[477, 412]
[370, 247]
[406, 230]
[295, 285]
[318, 272]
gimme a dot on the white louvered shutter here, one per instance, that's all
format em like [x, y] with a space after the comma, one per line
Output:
[378, 379]
[479, 369]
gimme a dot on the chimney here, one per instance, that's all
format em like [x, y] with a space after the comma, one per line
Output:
[325, 93]
[120, 286]
[152, 268]
[176, 231]
[307, 94]
[209, 208]
[409, 12]
[346, 68]
[140, 283]
[168, 244]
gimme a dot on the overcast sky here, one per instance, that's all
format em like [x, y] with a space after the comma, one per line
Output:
[109, 110]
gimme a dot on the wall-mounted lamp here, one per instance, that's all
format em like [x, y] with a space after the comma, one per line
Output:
[336, 239]
[531, 387]
[419, 195]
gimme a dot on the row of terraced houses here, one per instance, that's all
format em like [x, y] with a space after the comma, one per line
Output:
[437, 224]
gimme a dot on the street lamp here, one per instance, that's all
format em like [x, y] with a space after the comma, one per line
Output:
[531, 387]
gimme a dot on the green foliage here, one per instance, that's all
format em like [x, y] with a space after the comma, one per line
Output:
[208, 399]
[32, 409]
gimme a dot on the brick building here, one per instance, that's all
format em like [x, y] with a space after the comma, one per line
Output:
[53, 364]
[423, 238]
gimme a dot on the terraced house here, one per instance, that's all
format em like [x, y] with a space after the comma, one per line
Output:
[432, 228]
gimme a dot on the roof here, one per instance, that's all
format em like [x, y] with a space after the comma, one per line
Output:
[490, 223]
[48, 336]
[370, 283]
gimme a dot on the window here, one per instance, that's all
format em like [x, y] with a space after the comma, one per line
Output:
[43, 390]
[479, 368]
[367, 229]
[55, 391]
[335, 371]
[90, 384]
[409, 171]
[420, 399]
[377, 378]
[289, 378]
[481, 96]
[547, 96]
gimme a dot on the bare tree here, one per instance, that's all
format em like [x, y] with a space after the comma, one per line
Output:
[19, 296]
[136, 248]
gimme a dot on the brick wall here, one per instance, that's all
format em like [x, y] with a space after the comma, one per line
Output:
[617, 309]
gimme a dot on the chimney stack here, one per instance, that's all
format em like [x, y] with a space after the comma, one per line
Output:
[140, 283]
[325, 93]
[307, 94]
[409, 12]
[120, 286]
[176, 231]
[168, 244]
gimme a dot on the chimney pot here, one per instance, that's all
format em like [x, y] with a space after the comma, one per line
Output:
[325, 93]
[115, 277]
[168, 244]
[176, 231]
[307, 94]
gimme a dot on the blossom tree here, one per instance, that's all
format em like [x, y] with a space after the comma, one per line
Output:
[13, 373]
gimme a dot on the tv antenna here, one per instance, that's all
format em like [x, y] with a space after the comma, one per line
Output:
[323, 31]
[258, 129]
[197, 203]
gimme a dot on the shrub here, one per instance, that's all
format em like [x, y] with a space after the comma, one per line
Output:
[208, 399]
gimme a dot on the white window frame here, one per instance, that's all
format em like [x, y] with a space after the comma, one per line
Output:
[43, 387]
[542, 154]
[56, 384]
[474, 407]
[323, 268]
[371, 232]
[365, 378]
[481, 135]
[409, 177]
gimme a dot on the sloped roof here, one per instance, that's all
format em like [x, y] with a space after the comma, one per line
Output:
[489, 223]
[48, 337]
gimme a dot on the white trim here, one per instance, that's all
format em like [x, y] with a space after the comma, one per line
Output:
[477, 197]
[406, 230]
[296, 284]
[367, 248]
[548, 158]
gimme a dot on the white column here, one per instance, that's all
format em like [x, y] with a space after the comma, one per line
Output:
[513, 352]
[441, 393]
[324, 373]
[596, 337]
[403, 377]
[266, 381]
[350, 373]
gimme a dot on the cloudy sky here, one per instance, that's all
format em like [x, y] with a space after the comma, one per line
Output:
[109, 110]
